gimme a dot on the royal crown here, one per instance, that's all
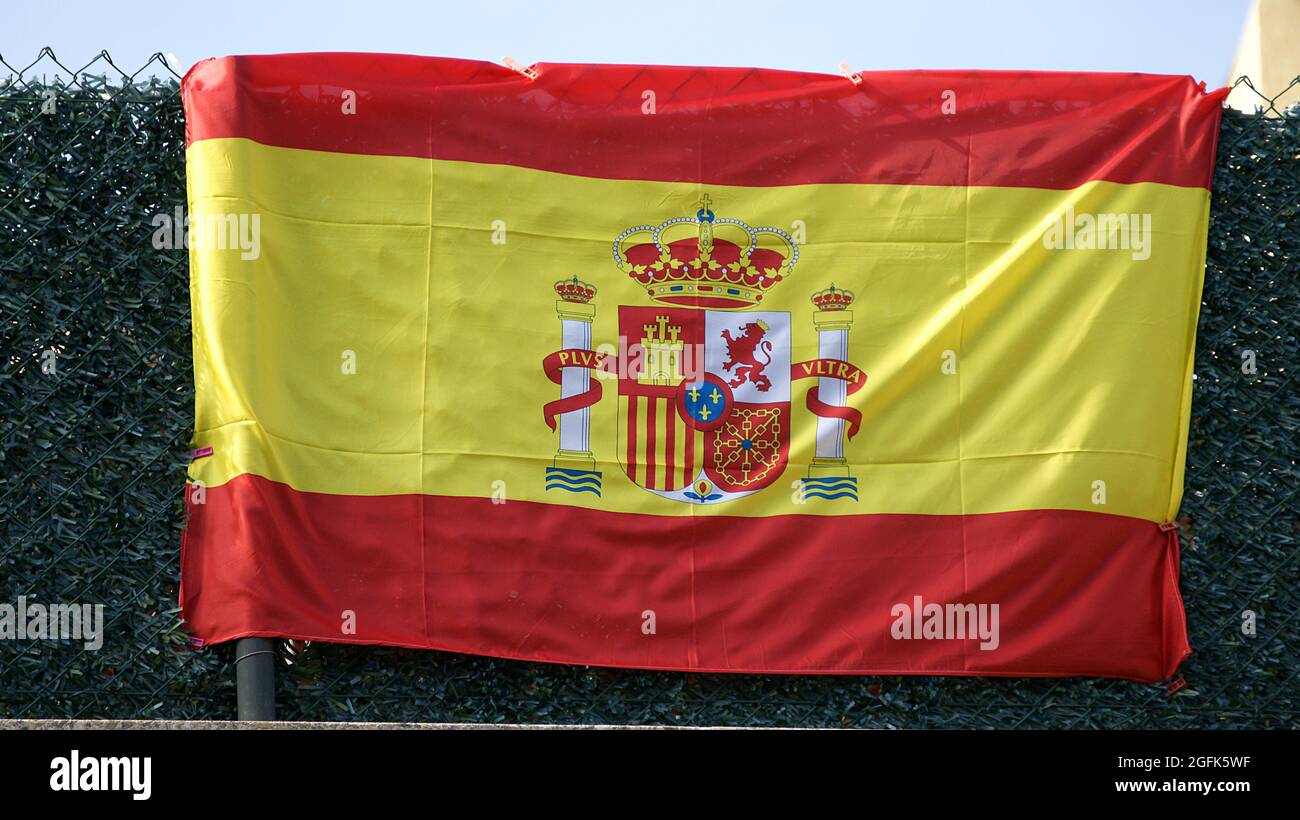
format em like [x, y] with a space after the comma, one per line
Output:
[705, 270]
[572, 290]
[832, 298]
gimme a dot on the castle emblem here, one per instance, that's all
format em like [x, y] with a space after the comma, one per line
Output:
[704, 373]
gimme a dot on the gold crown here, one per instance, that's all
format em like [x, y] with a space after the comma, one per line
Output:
[572, 290]
[832, 298]
[705, 270]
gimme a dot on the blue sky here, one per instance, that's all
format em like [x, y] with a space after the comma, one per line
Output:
[1196, 37]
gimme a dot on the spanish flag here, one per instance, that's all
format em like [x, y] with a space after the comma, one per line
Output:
[711, 369]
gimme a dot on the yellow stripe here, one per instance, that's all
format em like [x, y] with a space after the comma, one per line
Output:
[1072, 366]
[620, 445]
[662, 420]
[658, 446]
[642, 462]
[680, 432]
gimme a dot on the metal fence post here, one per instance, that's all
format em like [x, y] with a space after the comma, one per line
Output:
[255, 678]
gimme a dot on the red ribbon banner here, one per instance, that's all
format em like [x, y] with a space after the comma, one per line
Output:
[554, 365]
[832, 369]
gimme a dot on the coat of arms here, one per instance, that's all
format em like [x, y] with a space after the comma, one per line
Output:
[704, 374]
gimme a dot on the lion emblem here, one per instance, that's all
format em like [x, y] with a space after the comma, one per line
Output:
[748, 355]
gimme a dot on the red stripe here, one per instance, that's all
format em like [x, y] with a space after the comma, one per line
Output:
[631, 437]
[726, 126]
[1079, 593]
[651, 405]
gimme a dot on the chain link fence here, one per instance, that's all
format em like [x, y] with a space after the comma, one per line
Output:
[96, 409]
